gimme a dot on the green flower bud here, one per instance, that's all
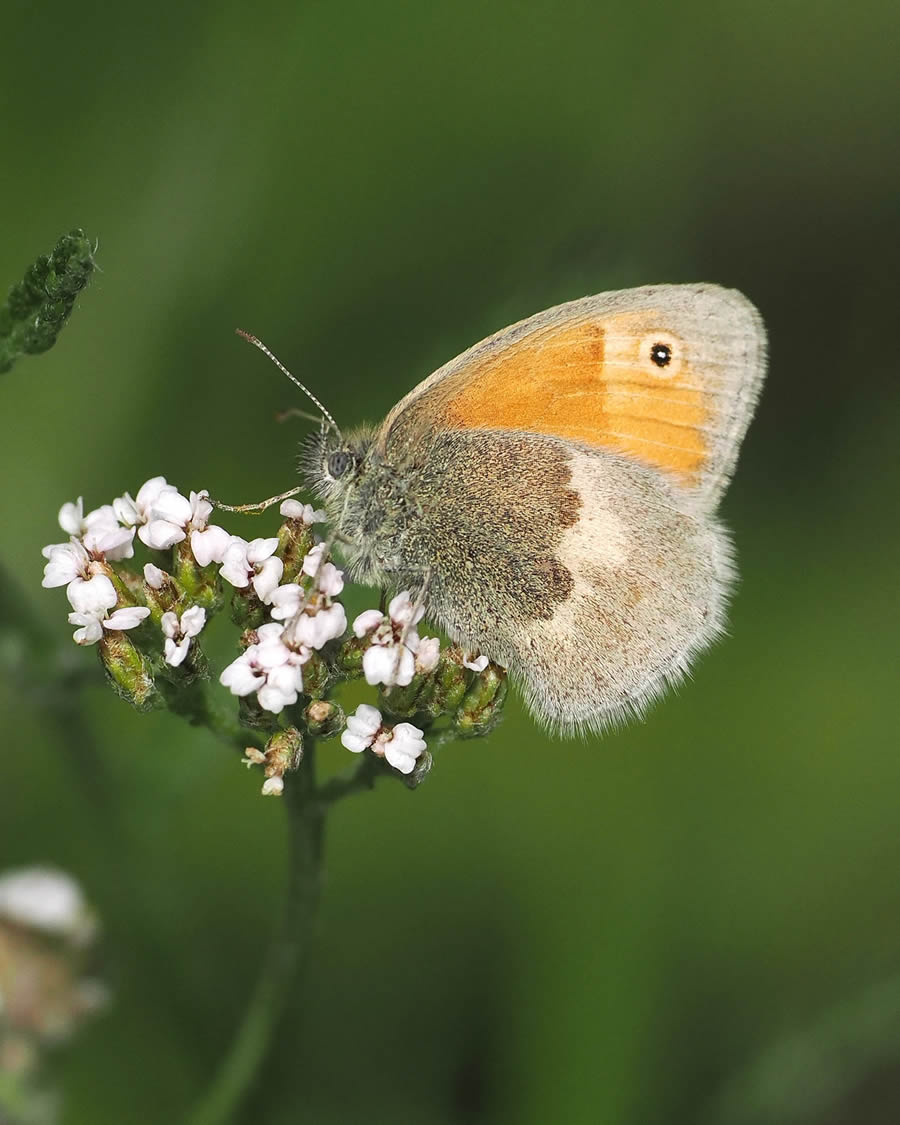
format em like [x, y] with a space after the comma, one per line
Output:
[128, 670]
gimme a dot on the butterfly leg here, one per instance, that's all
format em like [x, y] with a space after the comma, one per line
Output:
[261, 506]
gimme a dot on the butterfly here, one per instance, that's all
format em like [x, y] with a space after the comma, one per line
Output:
[550, 494]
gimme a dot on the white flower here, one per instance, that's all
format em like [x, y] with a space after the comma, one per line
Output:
[210, 545]
[90, 630]
[428, 655]
[254, 562]
[318, 628]
[389, 664]
[400, 745]
[128, 617]
[91, 625]
[273, 787]
[104, 537]
[476, 663]
[405, 745]
[294, 510]
[402, 611]
[160, 512]
[153, 576]
[66, 562]
[270, 667]
[391, 657]
[367, 621]
[46, 899]
[178, 633]
[93, 595]
[71, 517]
[362, 728]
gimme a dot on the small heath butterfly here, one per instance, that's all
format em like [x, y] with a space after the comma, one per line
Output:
[550, 494]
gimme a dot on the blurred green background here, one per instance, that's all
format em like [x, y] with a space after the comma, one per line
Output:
[611, 931]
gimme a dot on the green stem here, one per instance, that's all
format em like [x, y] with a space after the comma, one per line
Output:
[241, 1066]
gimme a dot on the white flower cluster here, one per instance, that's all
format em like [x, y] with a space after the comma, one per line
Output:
[396, 652]
[400, 745]
[81, 566]
[305, 618]
[304, 614]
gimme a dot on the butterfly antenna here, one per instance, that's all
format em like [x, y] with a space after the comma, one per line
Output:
[274, 358]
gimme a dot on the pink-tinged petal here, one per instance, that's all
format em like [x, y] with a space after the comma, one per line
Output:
[70, 517]
[330, 580]
[66, 562]
[173, 508]
[271, 699]
[149, 493]
[258, 550]
[285, 601]
[169, 624]
[201, 509]
[96, 595]
[402, 611]
[193, 620]
[265, 582]
[240, 677]
[126, 510]
[128, 617]
[175, 653]
[365, 722]
[209, 546]
[91, 630]
[428, 654]
[159, 535]
[114, 542]
[153, 576]
[476, 663]
[354, 743]
[313, 560]
[367, 622]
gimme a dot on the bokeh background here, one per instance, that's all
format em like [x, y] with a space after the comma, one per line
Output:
[694, 920]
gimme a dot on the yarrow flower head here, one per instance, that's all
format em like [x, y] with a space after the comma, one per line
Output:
[295, 643]
[400, 745]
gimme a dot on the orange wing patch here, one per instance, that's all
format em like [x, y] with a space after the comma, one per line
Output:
[614, 384]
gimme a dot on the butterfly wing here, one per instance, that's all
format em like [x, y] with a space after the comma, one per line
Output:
[667, 375]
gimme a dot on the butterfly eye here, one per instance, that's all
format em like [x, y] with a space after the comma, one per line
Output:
[338, 463]
[661, 354]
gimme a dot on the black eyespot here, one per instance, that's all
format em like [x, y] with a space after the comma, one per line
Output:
[339, 462]
[661, 354]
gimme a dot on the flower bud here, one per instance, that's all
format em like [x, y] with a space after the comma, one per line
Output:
[295, 539]
[128, 671]
[324, 718]
[482, 704]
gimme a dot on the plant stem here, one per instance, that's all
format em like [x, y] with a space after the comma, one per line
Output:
[241, 1066]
